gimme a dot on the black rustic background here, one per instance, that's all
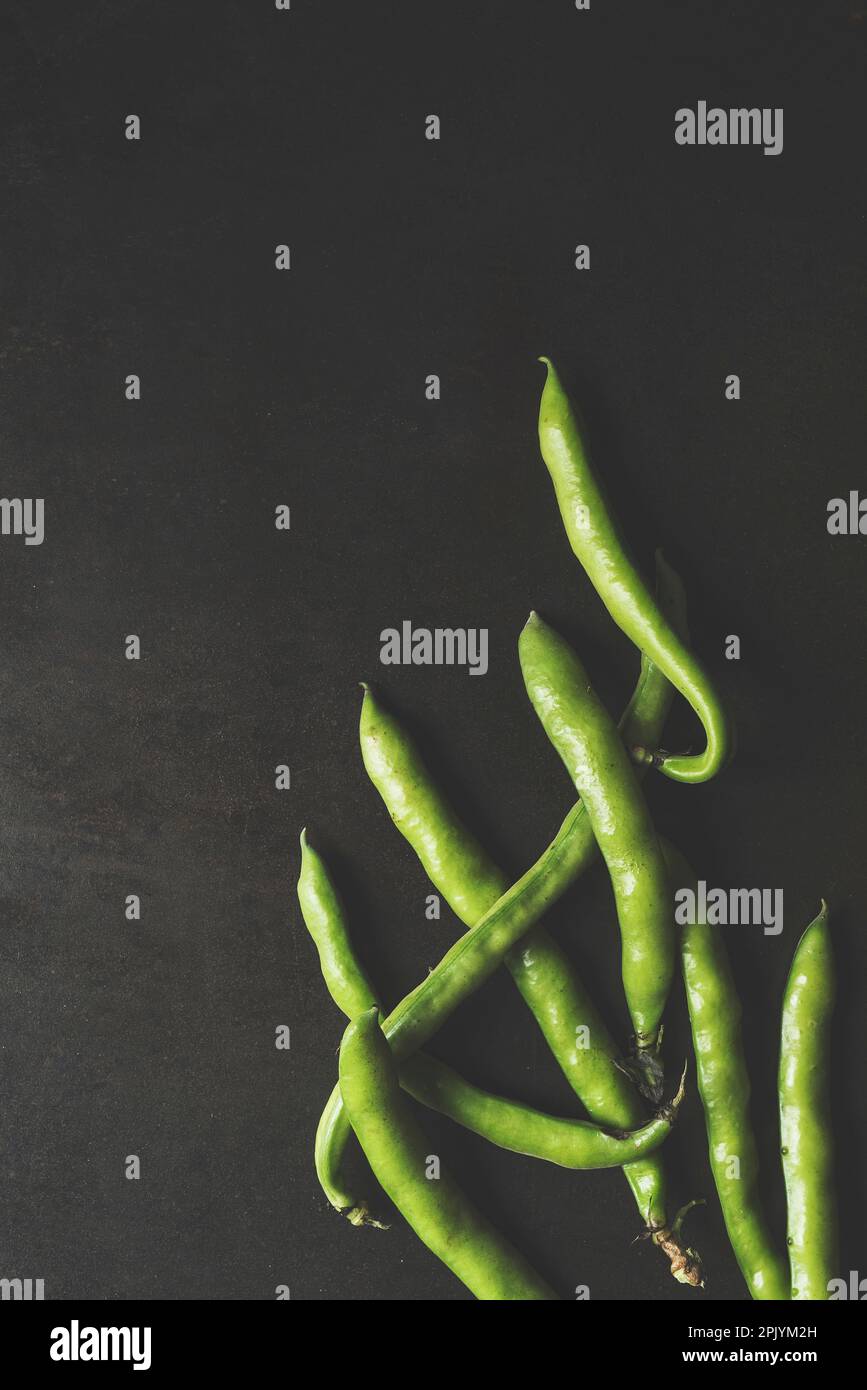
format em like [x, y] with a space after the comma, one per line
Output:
[408, 258]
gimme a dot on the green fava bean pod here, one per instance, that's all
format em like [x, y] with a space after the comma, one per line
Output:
[587, 739]
[724, 1087]
[338, 1163]
[399, 1154]
[805, 1125]
[599, 548]
[523, 1130]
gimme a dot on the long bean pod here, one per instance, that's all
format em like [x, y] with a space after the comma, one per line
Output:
[525, 1130]
[805, 1124]
[587, 739]
[599, 548]
[724, 1087]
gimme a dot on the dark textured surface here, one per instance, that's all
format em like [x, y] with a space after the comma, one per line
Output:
[307, 388]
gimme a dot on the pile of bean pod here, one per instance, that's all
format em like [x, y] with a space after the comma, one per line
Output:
[382, 1059]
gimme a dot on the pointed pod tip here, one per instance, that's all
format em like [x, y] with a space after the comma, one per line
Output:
[814, 930]
[366, 1022]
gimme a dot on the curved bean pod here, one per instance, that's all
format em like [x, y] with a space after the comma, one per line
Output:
[398, 1152]
[339, 1166]
[586, 737]
[597, 544]
[335, 1158]
[805, 1127]
[724, 1087]
[524, 1130]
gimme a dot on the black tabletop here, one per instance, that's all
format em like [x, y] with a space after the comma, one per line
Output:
[305, 388]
